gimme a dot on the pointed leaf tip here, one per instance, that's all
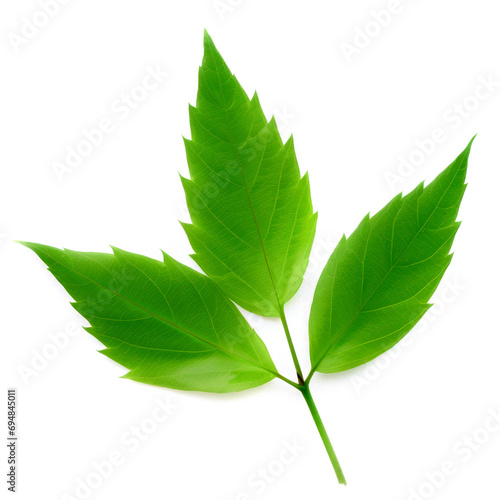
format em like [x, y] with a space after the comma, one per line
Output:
[207, 40]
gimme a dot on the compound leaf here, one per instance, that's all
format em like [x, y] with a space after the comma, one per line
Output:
[251, 212]
[377, 283]
[168, 324]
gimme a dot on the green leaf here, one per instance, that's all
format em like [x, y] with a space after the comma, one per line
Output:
[377, 284]
[169, 325]
[252, 219]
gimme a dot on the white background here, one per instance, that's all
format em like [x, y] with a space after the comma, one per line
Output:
[392, 422]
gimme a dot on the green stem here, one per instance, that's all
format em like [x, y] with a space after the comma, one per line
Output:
[287, 380]
[322, 432]
[309, 377]
[296, 363]
[303, 387]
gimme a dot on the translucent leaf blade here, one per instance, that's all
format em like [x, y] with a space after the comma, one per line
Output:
[251, 212]
[378, 282]
[168, 324]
